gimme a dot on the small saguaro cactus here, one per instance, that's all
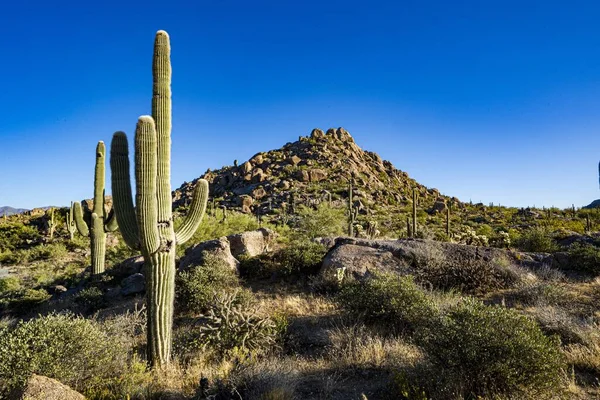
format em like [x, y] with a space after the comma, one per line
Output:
[100, 222]
[70, 222]
[149, 226]
[351, 211]
[51, 224]
[414, 213]
[448, 222]
[408, 229]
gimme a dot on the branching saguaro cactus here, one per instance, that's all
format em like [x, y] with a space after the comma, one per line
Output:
[100, 222]
[149, 226]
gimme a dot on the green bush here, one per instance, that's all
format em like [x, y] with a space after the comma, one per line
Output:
[9, 284]
[196, 287]
[14, 236]
[73, 350]
[485, 351]
[320, 222]
[536, 240]
[300, 257]
[584, 258]
[394, 301]
[23, 300]
[92, 299]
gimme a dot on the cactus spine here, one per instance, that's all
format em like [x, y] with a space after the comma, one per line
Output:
[150, 225]
[100, 222]
[414, 213]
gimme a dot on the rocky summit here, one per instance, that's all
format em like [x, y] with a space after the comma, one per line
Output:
[313, 169]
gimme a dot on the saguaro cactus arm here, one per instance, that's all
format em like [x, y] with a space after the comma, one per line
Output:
[110, 221]
[195, 213]
[121, 189]
[146, 184]
[79, 222]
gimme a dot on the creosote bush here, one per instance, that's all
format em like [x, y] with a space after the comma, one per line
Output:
[485, 351]
[73, 350]
[196, 287]
[536, 240]
[394, 301]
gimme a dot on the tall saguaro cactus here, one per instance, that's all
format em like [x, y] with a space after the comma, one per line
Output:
[149, 226]
[100, 222]
[414, 213]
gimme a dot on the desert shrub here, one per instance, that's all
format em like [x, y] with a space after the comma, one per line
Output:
[391, 300]
[195, 288]
[92, 299]
[468, 276]
[10, 284]
[71, 349]
[486, 351]
[15, 236]
[233, 328]
[584, 258]
[539, 293]
[23, 300]
[300, 257]
[536, 240]
[320, 222]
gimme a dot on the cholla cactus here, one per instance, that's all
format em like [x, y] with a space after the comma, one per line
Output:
[470, 237]
[229, 327]
[149, 226]
[101, 222]
[372, 231]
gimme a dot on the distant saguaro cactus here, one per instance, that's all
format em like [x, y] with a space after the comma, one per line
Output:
[414, 213]
[70, 222]
[150, 225]
[352, 212]
[51, 224]
[100, 222]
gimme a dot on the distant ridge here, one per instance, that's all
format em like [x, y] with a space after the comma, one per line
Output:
[593, 204]
[6, 210]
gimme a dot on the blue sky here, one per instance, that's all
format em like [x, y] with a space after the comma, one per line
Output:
[494, 101]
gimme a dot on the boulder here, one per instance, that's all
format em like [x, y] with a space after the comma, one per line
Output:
[128, 267]
[42, 388]
[358, 261]
[219, 248]
[251, 243]
[133, 284]
[317, 134]
[317, 175]
[246, 167]
[294, 160]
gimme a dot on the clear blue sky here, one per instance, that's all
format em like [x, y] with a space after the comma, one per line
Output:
[494, 101]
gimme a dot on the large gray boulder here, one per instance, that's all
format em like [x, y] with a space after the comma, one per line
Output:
[359, 261]
[133, 284]
[251, 243]
[217, 248]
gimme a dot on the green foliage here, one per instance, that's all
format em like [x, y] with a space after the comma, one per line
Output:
[23, 300]
[485, 351]
[536, 240]
[584, 258]
[9, 284]
[394, 301]
[73, 350]
[196, 287]
[323, 221]
[15, 235]
[92, 299]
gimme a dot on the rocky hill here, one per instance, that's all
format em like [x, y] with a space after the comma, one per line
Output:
[313, 169]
